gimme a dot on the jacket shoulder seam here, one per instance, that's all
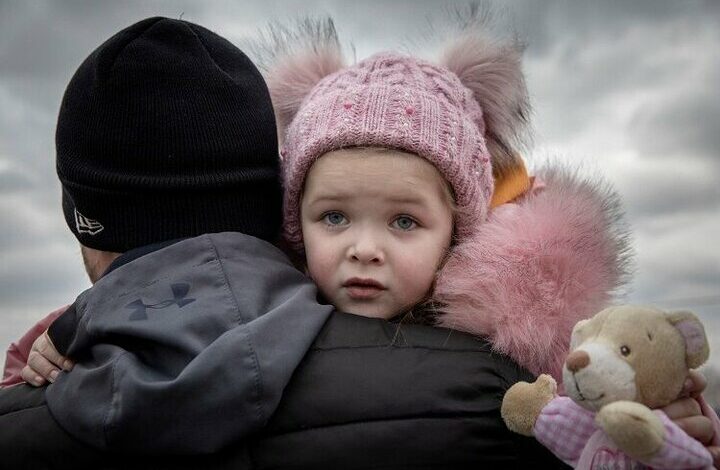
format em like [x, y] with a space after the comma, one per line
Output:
[109, 411]
[253, 355]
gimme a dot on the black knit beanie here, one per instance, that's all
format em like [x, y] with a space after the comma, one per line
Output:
[167, 131]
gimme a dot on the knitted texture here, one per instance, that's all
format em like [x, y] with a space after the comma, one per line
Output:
[166, 131]
[399, 102]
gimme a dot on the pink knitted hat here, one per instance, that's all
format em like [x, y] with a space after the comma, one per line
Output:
[440, 113]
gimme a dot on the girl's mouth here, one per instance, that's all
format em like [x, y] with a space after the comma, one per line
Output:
[363, 289]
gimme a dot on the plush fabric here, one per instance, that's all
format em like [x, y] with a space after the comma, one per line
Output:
[572, 434]
[535, 268]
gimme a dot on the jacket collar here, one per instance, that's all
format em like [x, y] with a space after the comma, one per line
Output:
[136, 253]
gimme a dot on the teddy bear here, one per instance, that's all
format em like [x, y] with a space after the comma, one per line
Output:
[624, 364]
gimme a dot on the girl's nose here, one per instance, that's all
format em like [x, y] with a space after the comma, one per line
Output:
[366, 251]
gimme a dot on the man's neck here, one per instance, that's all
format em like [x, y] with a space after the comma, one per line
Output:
[96, 261]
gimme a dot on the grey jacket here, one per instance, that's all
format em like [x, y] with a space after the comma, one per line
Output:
[186, 349]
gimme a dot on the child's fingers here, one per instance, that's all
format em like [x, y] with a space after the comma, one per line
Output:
[45, 347]
[695, 384]
[715, 452]
[30, 376]
[42, 367]
[699, 428]
[682, 408]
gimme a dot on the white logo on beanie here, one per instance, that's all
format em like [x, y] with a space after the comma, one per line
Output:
[87, 225]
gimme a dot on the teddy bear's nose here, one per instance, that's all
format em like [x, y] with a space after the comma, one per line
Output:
[577, 360]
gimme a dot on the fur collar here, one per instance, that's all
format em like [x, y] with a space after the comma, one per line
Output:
[536, 267]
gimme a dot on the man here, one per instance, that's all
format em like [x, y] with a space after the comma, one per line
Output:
[166, 146]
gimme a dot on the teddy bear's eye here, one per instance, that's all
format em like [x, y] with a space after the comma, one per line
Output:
[625, 351]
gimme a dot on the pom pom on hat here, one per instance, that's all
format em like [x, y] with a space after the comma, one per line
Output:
[491, 68]
[294, 61]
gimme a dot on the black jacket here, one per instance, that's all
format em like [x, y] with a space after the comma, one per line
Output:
[368, 395]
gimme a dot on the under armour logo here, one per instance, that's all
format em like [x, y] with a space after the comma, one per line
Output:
[140, 308]
[87, 225]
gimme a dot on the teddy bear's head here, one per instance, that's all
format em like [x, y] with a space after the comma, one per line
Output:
[633, 353]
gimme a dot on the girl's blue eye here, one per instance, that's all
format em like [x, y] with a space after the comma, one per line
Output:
[404, 223]
[334, 218]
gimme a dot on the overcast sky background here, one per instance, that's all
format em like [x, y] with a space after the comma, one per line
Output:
[625, 88]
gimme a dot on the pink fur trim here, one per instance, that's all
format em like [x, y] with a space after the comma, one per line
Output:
[535, 268]
[294, 60]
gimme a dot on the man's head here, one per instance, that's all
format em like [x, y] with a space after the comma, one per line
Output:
[167, 131]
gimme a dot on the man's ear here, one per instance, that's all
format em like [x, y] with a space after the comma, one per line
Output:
[697, 349]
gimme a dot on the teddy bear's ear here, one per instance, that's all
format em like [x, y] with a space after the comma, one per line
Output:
[697, 349]
[576, 336]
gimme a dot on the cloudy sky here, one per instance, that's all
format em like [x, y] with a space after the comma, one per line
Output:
[625, 88]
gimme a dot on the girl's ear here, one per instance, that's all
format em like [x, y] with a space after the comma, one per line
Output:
[491, 69]
[294, 60]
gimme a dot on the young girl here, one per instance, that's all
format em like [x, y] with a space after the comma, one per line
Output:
[399, 176]
[405, 193]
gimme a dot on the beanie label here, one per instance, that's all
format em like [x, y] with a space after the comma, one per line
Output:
[87, 225]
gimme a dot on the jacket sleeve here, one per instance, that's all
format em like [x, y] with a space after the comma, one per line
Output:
[63, 330]
[185, 350]
[679, 450]
[19, 351]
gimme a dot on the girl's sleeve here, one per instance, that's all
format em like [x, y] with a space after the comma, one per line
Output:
[18, 352]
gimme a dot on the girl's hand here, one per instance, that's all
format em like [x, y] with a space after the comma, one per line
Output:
[44, 362]
[687, 414]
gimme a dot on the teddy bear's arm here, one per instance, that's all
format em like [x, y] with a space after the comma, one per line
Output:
[650, 437]
[565, 428]
[633, 427]
[524, 401]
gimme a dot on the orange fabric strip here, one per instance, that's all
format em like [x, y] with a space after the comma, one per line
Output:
[511, 186]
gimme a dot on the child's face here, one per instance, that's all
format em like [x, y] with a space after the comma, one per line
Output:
[376, 225]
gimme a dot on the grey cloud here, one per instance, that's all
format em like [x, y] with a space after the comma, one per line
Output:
[678, 262]
[547, 22]
[12, 180]
[672, 192]
[43, 37]
[28, 225]
[684, 126]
